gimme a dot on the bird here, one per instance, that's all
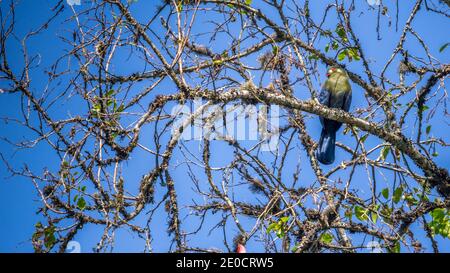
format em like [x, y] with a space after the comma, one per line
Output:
[336, 92]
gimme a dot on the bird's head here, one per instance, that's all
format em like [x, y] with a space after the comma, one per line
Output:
[334, 70]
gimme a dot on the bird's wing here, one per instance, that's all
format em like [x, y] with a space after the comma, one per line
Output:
[347, 101]
[324, 98]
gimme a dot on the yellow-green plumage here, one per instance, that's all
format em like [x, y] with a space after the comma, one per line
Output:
[337, 82]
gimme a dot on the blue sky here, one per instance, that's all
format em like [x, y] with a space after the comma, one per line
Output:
[18, 198]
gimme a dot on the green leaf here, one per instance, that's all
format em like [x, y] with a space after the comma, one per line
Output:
[340, 31]
[384, 152]
[326, 238]
[411, 200]
[361, 213]
[218, 62]
[180, 5]
[313, 57]
[423, 108]
[110, 93]
[385, 193]
[334, 45]
[397, 194]
[374, 217]
[395, 248]
[428, 129]
[353, 54]
[341, 56]
[271, 227]
[248, 2]
[327, 47]
[96, 109]
[275, 50]
[49, 237]
[364, 137]
[438, 214]
[443, 47]
[280, 233]
[440, 223]
[81, 203]
[278, 227]
[386, 213]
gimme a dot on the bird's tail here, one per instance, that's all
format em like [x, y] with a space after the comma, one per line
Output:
[325, 151]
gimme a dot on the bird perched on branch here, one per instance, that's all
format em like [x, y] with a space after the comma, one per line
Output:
[336, 93]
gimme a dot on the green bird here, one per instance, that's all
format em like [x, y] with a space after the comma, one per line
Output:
[336, 93]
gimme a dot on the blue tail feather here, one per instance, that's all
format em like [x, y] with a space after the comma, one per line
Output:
[325, 151]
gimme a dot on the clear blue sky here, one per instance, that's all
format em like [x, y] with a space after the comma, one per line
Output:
[18, 198]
